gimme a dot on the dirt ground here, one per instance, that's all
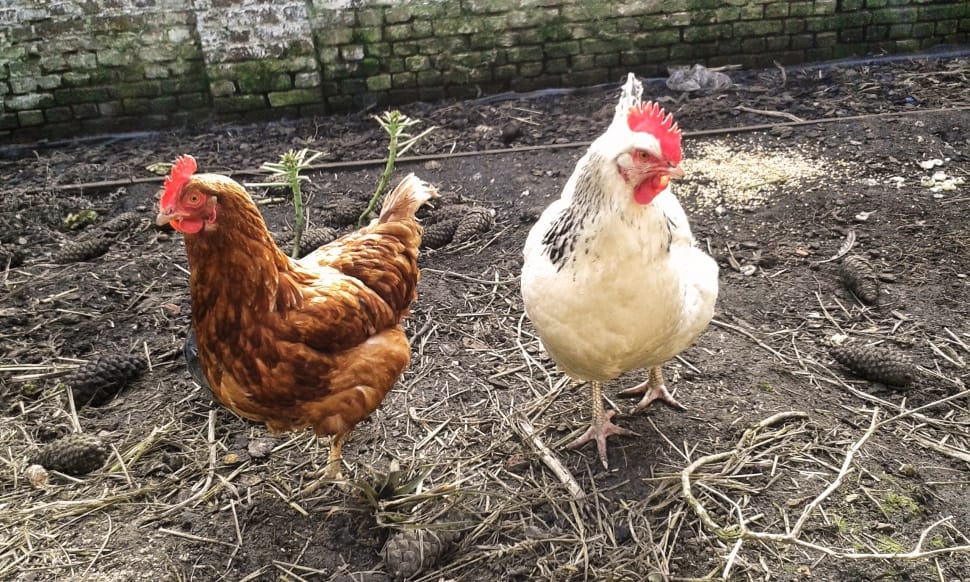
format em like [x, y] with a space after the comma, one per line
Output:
[795, 468]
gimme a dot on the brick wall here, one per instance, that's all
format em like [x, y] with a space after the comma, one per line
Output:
[94, 66]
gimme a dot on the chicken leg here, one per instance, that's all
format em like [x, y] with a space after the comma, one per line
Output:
[601, 426]
[331, 472]
[653, 389]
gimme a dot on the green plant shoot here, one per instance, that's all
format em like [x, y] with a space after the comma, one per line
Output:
[287, 172]
[395, 124]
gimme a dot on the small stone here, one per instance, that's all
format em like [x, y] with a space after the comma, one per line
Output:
[261, 447]
[37, 476]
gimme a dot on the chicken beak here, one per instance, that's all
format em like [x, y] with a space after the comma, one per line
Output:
[164, 218]
[675, 172]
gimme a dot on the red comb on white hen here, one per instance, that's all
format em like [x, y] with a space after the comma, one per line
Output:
[612, 279]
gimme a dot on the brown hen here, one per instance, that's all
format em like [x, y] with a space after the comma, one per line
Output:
[315, 342]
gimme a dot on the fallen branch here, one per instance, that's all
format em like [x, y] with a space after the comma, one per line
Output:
[524, 429]
[739, 531]
[766, 113]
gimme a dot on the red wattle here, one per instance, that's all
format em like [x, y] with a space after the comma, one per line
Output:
[188, 225]
[647, 191]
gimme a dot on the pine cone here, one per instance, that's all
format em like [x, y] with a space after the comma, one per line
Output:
[95, 383]
[858, 276]
[877, 364]
[408, 552]
[476, 221]
[82, 250]
[74, 454]
[11, 255]
[121, 222]
[314, 238]
[344, 211]
[440, 233]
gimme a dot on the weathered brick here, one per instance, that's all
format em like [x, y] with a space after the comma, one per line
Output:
[900, 31]
[824, 39]
[236, 103]
[57, 114]
[83, 95]
[85, 110]
[707, 33]
[429, 78]
[776, 10]
[825, 6]
[8, 121]
[417, 63]
[373, 17]
[406, 79]
[802, 41]
[893, 15]
[562, 49]
[30, 118]
[144, 89]
[727, 14]
[397, 32]
[753, 45]
[875, 33]
[750, 11]
[526, 53]
[947, 27]
[852, 35]
[943, 11]
[193, 101]
[800, 8]
[627, 59]
[533, 69]
[758, 28]
[923, 29]
[505, 72]
[659, 38]
[306, 80]
[293, 97]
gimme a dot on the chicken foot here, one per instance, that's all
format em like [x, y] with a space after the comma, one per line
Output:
[653, 389]
[331, 472]
[601, 427]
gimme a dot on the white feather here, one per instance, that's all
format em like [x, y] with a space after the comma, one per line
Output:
[635, 290]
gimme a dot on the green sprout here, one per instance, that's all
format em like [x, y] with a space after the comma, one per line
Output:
[287, 172]
[394, 123]
[80, 219]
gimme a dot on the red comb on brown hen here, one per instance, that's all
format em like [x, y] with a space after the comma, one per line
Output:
[183, 169]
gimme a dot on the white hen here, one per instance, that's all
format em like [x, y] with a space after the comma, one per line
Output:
[612, 278]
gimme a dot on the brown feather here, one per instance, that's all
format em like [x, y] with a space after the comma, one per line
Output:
[316, 342]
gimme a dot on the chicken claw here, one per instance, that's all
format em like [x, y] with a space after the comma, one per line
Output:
[331, 472]
[601, 427]
[653, 389]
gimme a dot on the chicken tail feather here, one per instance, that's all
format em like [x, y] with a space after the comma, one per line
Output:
[405, 200]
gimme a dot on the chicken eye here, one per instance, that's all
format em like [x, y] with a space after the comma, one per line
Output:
[642, 156]
[193, 199]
